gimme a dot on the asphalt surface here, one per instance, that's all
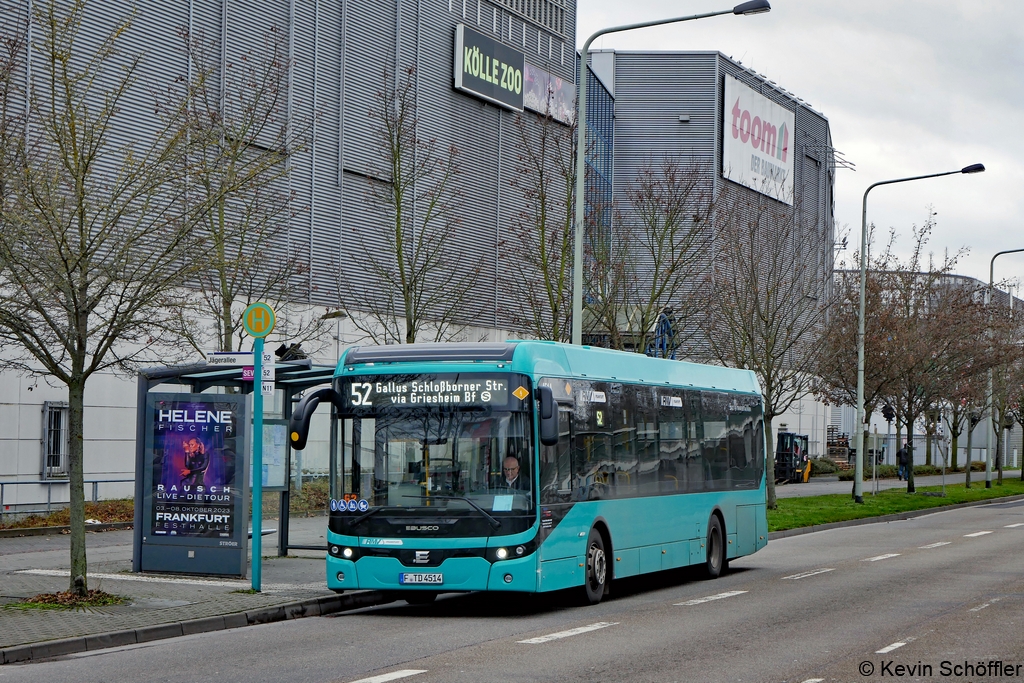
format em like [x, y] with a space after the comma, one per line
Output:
[827, 606]
[820, 486]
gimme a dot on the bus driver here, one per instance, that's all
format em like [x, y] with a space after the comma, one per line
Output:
[511, 478]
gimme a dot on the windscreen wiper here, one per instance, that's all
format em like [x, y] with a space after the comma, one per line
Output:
[363, 517]
[495, 524]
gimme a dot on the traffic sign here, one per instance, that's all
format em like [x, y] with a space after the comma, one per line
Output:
[258, 320]
[229, 358]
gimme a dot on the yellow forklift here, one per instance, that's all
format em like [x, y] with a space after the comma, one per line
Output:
[792, 464]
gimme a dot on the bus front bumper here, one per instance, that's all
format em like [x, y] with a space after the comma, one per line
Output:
[458, 574]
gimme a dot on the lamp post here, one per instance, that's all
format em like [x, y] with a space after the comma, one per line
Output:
[991, 399]
[858, 475]
[743, 9]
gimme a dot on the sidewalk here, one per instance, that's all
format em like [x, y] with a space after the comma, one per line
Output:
[161, 606]
[821, 486]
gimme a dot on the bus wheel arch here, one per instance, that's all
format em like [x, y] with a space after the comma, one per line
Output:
[716, 558]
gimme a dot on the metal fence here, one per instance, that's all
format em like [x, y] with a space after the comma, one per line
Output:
[50, 503]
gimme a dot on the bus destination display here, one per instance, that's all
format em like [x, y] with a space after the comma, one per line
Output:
[428, 391]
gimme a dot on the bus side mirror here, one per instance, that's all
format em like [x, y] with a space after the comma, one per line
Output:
[548, 417]
[298, 424]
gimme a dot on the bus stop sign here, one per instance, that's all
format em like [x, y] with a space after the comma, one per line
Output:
[259, 320]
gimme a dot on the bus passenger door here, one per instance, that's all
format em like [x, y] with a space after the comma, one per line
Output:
[556, 479]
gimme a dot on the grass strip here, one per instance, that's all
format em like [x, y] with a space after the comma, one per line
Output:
[793, 513]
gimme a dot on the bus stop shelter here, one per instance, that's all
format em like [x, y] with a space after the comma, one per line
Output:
[292, 378]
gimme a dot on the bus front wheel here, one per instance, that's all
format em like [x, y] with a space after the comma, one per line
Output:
[597, 568]
[716, 561]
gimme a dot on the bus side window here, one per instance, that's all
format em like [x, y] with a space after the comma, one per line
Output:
[555, 464]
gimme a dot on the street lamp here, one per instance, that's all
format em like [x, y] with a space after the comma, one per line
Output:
[743, 9]
[991, 401]
[858, 474]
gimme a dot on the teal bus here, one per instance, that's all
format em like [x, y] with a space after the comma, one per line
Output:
[536, 466]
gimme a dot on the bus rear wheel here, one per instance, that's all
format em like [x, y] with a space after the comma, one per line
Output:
[716, 561]
[597, 568]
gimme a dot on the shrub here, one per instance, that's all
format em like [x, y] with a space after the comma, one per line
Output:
[822, 466]
[926, 470]
[978, 466]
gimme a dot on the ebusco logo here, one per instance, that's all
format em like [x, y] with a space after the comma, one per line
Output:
[762, 134]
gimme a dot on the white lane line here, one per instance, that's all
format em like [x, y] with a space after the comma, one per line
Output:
[813, 572]
[814, 680]
[889, 648]
[180, 581]
[880, 557]
[701, 601]
[935, 545]
[393, 676]
[987, 604]
[571, 632]
[977, 533]
[1013, 526]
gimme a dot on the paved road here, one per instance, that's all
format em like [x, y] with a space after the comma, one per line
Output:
[943, 587]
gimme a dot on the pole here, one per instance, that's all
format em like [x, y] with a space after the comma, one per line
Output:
[858, 475]
[257, 464]
[991, 398]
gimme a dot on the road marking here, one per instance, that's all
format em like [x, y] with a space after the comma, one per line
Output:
[935, 545]
[700, 601]
[571, 632]
[393, 676]
[271, 587]
[889, 648]
[987, 604]
[1013, 526]
[977, 533]
[813, 572]
[880, 557]
[814, 680]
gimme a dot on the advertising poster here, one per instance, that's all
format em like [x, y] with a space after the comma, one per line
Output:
[547, 94]
[197, 462]
[757, 142]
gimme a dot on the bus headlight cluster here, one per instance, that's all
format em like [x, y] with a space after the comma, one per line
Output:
[347, 553]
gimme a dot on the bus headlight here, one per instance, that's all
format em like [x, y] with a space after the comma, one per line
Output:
[520, 550]
[348, 553]
[502, 553]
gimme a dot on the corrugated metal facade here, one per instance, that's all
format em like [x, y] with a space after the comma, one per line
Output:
[655, 90]
[341, 52]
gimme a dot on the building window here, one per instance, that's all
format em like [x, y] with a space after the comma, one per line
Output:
[55, 440]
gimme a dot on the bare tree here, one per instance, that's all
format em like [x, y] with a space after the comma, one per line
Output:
[421, 285]
[241, 139]
[766, 306]
[541, 248]
[647, 265]
[96, 237]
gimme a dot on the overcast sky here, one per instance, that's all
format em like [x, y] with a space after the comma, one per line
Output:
[909, 88]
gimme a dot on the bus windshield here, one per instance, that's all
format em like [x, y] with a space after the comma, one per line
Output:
[470, 465]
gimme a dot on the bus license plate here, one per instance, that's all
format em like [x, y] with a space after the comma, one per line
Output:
[406, 579]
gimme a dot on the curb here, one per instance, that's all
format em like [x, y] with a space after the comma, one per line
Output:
[312, 607]
[54, 530]
[776, 535]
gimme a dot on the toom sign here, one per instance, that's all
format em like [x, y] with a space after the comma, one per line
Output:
[757, 142]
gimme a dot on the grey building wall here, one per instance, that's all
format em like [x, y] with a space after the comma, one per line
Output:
[669, 105]
[340, 52]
